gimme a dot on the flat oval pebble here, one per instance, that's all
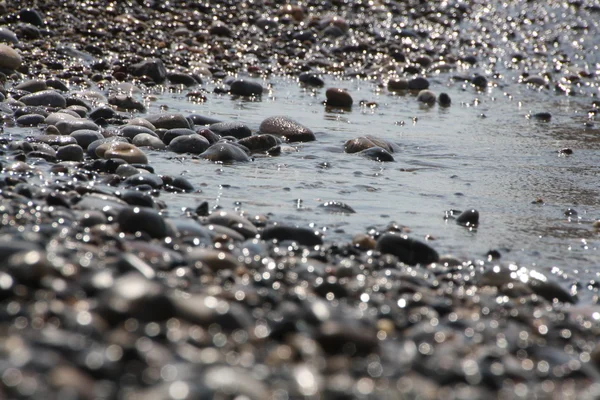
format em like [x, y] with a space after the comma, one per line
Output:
[193, 144]
[91, 149]
[408, 251]
[259, 142]
[70, 152]
[225, 152]
[213, 259]
[174, 133]
[419, 83]
[168, 121]
[49, 98]
[55, 118]
[30, 120]
[123, 151]
[131, 131]
[244, 87]
[337, 207]
[68, 126]
[287, 128]
[338, 98]
[148, 140]
[366, 142]
[234, 129]
[85, 137]
[32, 85]
[9, 57]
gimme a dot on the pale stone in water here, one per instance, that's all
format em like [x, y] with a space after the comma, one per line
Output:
[124, 151]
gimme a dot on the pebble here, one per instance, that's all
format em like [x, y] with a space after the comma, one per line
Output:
[244, 87]
[70, 152]
[30, 120]
[153, 68]
[311, 79]
[337, 207]
[91, 149]
[338, 98]
[8, 36]
[257, 143]
[148, 140]
[366, 142]
[479, 81]
[68, 126]
[469, 218]
[193, 144]
[32, 85]
[50, 98]
[408, 250]
[168, 121]
[131, 131]
[303, 236]
[286, 128]
[85, 137]
[419, 83]
[376, 154]
[444, 100]
[235, 222]
[395, 85]
[136, 219]
[123, 151]
[427, 97]
[9, 57]
[237, 130]
[172, 134]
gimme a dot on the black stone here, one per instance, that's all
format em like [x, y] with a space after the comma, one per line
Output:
[408, 251]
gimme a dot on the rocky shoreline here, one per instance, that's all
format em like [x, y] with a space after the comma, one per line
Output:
[108, 293]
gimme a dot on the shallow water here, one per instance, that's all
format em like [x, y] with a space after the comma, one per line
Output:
[483, 152]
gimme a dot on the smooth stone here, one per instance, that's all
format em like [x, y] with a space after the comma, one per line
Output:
[209, 135]
[79, 109]
[152, 180]
[135, 197]
[179, 182]
[418, 84]
[125, 102]
[311, 79]
[57, 84]
[123, 151]
[244, 87]
[9, 57]
[50, 98]
[85, 137]
[131, 131]
[31, 16]
[127, 170]
[397, 85]
[193, 144]
[67, 127]
[70, 152]
[338, 98]
[303, 236]
[542, 116]
[203, 120]
[260, 142]
[286, 128]
[8, 36]
[104, 113]
[426, 96]
[168, 121]
[479, 81]
[189, 228]
[57, 117]
[30, 120]
[469, 218]
[235, 222]
[32, 85]
[147, 140]
[174, 133]
[337, 207]
[135, 219]
[376, 154]
[444, 100]
[141, 122]
[91, 149]
[181, 78]
[234, 129]
[109, 205]
[153, 68]
[225, 152]
[408, 251]
[366, 142]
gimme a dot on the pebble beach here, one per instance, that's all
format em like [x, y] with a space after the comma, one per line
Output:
[255, 200]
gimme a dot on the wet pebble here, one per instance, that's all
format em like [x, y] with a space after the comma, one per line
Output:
[136, 219]
[193, 144]
[168, 121]
[237, 130]
[9, 57]
[123, 151]
[225, 152]
[245, 87]
[148, 140]
[444, 100]
[426, 96]
[286, 128]
[408, 250]
[469, 218]
[85, 137]
[152, 68]
[303, 236]
[49, 98]
[259, 142]
[68, 126]
[70, 152]
[376, 154]
[338, 98]
[419, 83]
